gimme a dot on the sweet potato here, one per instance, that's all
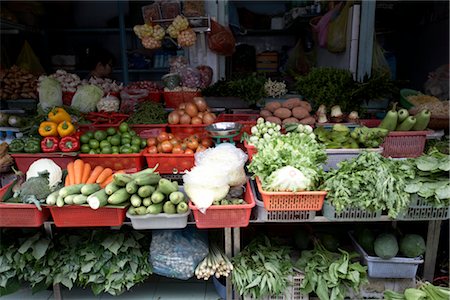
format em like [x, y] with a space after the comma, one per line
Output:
[306, 105]
[282, 113]
[291, 103]
[290, 120]
[274, 120]
[272, 106]
[308, 121]
[300, 112]
[265, 113]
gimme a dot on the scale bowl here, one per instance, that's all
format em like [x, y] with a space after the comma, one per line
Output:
[224, 128]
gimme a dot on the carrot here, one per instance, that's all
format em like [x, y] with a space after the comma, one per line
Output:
[70, 172]
[86, 172]
[94, 174]
[103, 175]
[78, 167]
[107, 181]
[67, 181]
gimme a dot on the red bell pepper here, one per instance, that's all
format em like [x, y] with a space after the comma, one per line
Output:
[69, 144]
[50, 144]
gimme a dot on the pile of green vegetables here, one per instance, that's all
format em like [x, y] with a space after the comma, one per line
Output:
[103, 260]
[341, 137]
[262, 269]
[370, 182]
[148, 113]
[424, 291]
[401, 120]
[330, 274]
[431, 179]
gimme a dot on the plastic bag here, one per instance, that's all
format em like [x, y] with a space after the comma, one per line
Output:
[206, 74]
[151, 12]
[27, 60]
[176, 253]
[191, 78]
[321, 27]
[177, 64]
[337, 31]
[193, 8]
[131, 99]
[221, 39]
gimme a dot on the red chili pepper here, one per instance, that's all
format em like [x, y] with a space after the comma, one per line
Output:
[49, 144]
[69, 144]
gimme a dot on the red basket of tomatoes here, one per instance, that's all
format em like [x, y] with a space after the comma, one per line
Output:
[172, 153]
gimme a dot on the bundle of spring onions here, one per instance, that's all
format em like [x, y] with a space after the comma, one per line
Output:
[216, 263]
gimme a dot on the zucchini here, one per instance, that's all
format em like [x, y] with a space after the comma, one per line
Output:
[169, 208]
[147, 179]
[98, 199]
[89, 189]
[131, 187]
[146, 191]
[147, 201]
[145, 172]
[132, 211]
[51, 199]
[166, 186]
[141, 210]
[60, 201]
[80, 199]
[70, 190]
[135, 200]
[122, 179]
[119, 196]
[157, 197]
[111, 188]
[155, 209]
[69, 199]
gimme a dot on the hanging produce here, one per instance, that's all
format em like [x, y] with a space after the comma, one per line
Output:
[150, 36]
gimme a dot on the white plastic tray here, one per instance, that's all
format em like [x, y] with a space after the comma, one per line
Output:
[159, 221]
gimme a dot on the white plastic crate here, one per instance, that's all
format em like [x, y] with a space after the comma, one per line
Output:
[334, 156]
[350, 214]
[396, 267]
[159, 221]
[419, 209]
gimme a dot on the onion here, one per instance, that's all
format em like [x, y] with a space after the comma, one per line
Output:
[196, 120]
[180, 112]
[200, 115]
[174, 118]
[185, 119]
[182, 105]
[200, 103]
[208, 118]
[191, 109]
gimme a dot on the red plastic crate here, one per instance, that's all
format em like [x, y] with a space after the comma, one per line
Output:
[189, 96]
[84, 216]
[173, 99]
[67, 98]
[371, 123]
[406, 144]
[289, 201]
[24, 160]
[251, 150]
[20, 215]
[131, 162]
[170, 163]
[148, 130]
[93, 127]
[225, 216]
[247, 121]
[184, 130]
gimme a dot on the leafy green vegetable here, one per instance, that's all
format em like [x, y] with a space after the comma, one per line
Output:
[370, 182]
[50, 93]
[329, 274]
[148, 113]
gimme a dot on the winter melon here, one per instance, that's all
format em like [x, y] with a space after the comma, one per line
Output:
[301, 239]
[412, 245]
[330, 242]
[365, 239]
[386, 246]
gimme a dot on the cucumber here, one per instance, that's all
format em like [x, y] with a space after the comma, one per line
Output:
[60, 201]
[89, 189]
[157, 197]
[145, 172]
[70, 190]
[51, 199]
[141, 210]
[135, 200]
[146, 191]
[147, 179]
[111, 188]
[119, 196]
[98, 199]
[80, 199]
[155, 209]
[166, 186]
[122, 179]
[69, 199]
[147, 201]
[131, 187]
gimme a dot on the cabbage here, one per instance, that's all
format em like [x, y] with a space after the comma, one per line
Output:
[46, 165]
[86, 98]
[288, 179]
[50, 93]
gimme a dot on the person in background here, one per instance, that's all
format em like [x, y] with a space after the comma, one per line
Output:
[100, 62]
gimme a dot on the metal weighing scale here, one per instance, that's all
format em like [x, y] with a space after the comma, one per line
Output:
[224, 132]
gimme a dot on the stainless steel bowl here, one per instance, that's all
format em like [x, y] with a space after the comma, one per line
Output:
[224, 128]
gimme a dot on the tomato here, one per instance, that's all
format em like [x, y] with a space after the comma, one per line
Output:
[200, 148]
[192, 144]
[163, 136]
[171, 136]
[151, 141]
[177, 149]
[189, 151]
[166, 147]
[207, 143]
[152, 149]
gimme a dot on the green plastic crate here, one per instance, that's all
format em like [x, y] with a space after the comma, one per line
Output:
[419, 209]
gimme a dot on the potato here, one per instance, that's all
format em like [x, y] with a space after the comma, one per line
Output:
[274, 120]
[308, 121]
[291, 103]
[306, 105]
[282, 113]
[272, 106]
[290, 120]
[265, 113]
[300, 112]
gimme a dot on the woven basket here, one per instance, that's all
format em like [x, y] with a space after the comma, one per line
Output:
[438, 123]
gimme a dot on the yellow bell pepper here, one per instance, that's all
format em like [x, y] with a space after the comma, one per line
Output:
[48, 129]
[58, 115]
[65, 128]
